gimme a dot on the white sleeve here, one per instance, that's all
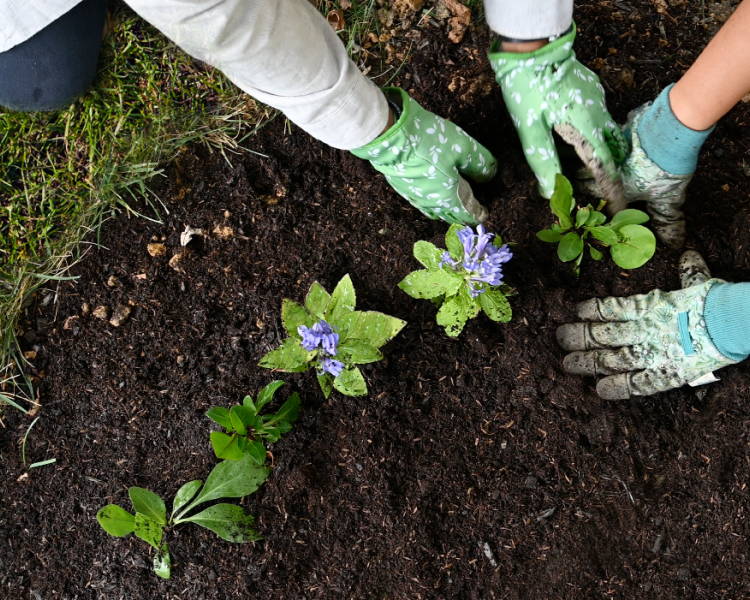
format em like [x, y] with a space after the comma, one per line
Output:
[285, 54]
[529, 19]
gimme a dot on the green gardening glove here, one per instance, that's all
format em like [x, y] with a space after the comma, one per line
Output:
[422, 156]
[647, 343]
[547, 90]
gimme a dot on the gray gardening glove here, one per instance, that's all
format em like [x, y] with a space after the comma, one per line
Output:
[647, 343]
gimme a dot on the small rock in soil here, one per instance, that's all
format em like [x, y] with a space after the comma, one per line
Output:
[85, 309]
[174, 262]
[488, 553]
[156, 249]
[223, 232]
[101, 312]
[121, 314]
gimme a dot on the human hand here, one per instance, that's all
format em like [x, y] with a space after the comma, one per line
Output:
[647, 343]
[548, 89]
[423, 157]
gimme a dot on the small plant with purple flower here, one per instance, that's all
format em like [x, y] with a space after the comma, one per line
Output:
[466, 278]
[329, 335]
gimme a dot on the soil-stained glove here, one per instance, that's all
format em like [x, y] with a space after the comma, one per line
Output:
[422, 156]
[647, 343]
[548, 89]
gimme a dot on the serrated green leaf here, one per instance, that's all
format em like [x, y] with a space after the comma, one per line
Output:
[496, 306]
[343, 300]
[163, 562]
[636, 246]
[148, 504]
[453, 315]
[629, 216]
[289, 411]
[595, 218]
[570, 247]
[220, 415]
[326, 384]
[317, 300]
[228, 521]
[472, 304]
[266, 394]
[351, 382]
[604, 234]
[429, 284]
[371, 327]
[148, 530]
[561, 202]
[115, 520]
[185, 494]
[582, 216]
[455, 247]
[227, 446]
[547, 235]
[257, 451]
[595, 254]
[358, 352]
[290, 356]
[293, 315]
[231, 479]
[428, 254]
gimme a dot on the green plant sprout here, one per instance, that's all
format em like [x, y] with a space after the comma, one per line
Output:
[228, 479]
[246, 428]
[464, 279]
[328, 334]
[630, 244]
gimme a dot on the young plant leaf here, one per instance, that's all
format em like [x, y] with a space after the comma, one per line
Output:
[186, 493]
[351, 382]
[373, 328]
[326, 384]
[238, 423]
[288, 412]
[596, 218]
[245, 414]
[148, 530]
[495, 305]
[266, 394]
[560, 203]
[115, 520]
[582, 216]
[257, 451]
[430, 284]
[629, 216]
[287, 357]
[163, 562]
[570, 247]
[455, 247]
[247, 401]
[547, 235]
[637, 245]
[358, 352]
[228, 521]
[453, 315]
[604, 234]
[317, 300]
[293, 315]
[284, 427]
[227, 446]
[343, 300]
[231, 479]
[220, 415]
[148, 504]
[595, 254]
[428, 254]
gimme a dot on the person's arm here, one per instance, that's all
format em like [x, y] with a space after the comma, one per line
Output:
[283, 53]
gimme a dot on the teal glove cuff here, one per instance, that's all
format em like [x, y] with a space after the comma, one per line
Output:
[727, 315]
[422, 156]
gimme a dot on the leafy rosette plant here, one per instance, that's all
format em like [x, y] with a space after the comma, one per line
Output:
[229, 479]
[247, 429]
[630, 244]
[329, 335]
[463, 280]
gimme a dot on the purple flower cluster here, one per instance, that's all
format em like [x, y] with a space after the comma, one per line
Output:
[482, 259]
[322, 335]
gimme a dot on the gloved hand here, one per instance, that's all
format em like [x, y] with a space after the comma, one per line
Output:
[549, 89]
[647, 343]
[422, 156]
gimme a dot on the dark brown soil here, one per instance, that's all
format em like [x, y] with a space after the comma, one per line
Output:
[462, 445]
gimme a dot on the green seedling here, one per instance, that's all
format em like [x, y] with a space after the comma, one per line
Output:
[328, 334]
[229, 479]
[247, 429]
[630, 244]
